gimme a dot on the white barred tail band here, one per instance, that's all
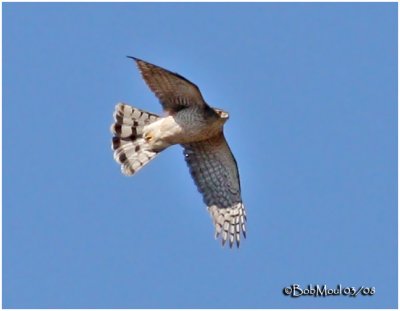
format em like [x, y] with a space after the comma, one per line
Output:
[131, 150]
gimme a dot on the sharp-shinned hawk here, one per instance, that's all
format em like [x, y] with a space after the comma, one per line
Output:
[139, 136]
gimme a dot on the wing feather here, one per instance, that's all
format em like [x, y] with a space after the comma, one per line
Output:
[214, 170]
[174, 91]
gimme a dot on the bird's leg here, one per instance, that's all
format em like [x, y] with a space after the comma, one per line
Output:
[148, 136]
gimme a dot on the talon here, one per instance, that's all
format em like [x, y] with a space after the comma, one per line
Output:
[148, 136]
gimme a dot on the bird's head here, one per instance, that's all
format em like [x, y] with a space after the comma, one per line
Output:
[222, 114]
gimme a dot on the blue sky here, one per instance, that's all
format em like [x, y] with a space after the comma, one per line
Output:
[312, 94]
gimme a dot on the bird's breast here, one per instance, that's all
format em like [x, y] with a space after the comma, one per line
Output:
[181, 129]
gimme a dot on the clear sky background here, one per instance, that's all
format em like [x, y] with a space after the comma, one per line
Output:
[312, 94]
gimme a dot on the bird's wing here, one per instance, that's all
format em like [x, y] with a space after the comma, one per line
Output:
[174, 91]
[214, 170]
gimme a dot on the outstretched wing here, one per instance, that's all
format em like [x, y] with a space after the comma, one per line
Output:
[174, 91]
[216, 175]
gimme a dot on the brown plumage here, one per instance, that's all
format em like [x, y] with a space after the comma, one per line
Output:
[139, 136]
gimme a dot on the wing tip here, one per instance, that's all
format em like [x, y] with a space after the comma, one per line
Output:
[133, 57]
[136, 59]
[230, 224]
[139, 62]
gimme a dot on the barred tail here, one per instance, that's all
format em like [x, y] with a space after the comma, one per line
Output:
[131, 150]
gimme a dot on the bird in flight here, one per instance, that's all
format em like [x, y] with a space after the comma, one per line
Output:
[139, 136]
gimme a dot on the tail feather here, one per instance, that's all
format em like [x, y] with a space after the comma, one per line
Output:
[131, 150]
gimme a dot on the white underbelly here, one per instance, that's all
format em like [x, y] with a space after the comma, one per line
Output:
[168, 131]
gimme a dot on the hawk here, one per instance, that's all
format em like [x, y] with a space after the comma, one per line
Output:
[139, 136]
